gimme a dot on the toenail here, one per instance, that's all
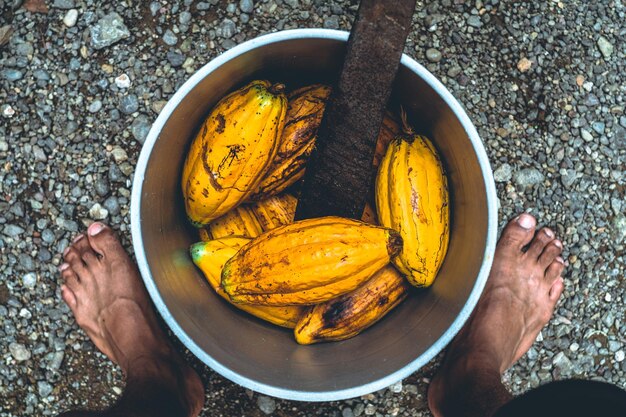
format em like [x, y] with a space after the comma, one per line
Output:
[63, 267]
[548, 232]
[560, 260]
[66, 250]
[95, 228]
[558, 243]
[526, 221]
[77, 238]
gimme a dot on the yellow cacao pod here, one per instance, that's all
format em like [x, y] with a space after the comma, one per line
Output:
[412, 197]
[348, 315]
[275, 211]
[233, 150]
[240, 221]
[308, 262]
[305, 109]
[211, 256]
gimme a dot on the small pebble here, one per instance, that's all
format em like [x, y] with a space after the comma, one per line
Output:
[129, 104]
[29, 280]
[266, 404]
[97, 212]
[524, 64]
[19, 352]
[331, 22]
[433, 55]
[170, 38]
[70, 18]
[140, 128]
[606, 48]
[95, 106]
[122, 81]
[246, 6]
[474, 21]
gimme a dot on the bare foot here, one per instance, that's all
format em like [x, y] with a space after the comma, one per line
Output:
[105, 293]
[519, 298]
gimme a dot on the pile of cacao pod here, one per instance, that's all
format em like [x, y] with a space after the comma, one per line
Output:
[328, 278]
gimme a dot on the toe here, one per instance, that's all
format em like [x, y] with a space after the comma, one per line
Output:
[68, 296]
[550, 253]
[539, 242]
[517, 233]
[69, 277]
[73, 257]
[103, 240]
[557, 289]
[554, 271]
[87, 254]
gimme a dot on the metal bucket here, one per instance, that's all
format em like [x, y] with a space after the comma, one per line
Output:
[263, 357]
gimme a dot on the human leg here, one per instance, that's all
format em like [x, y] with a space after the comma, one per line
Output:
[518, 300]
[105, 293]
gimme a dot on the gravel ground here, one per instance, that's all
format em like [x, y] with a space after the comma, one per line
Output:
[81, 81]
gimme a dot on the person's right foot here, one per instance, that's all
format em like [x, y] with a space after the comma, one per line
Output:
[518, 300]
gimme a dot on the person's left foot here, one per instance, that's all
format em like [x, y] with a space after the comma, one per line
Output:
[105, 292]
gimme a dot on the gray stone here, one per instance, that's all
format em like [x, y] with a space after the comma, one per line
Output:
[41, 74]
[227, 44]
[294, 4]
[140, 128]
[63, 4]
[55, 361]
[19, 352]
[119, 154]
[11, 75]
[129, 104]
[203, 6]
[184, 18]
[26, 262]
[474, 21]
[70, 18]
[433, 55]
[29, 280]
[170, 38]
[48, 236]
[246, 6]
[453, 71]
[562, 363]
[155, 6]
[12, 230]
[586, 135]
[528, 177]
[503, 173]
[622, 121]
[347, 412]
[101, 185]
[591, 100]
[175, 59]
[95, 106]
[44, 388]
[331, 22]
[108, 30]
[598, 127]
[606, 48]
[619, 228]
[228, 29]
[569, 177]
[266, 404]
[24, 49]
[112, 205]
